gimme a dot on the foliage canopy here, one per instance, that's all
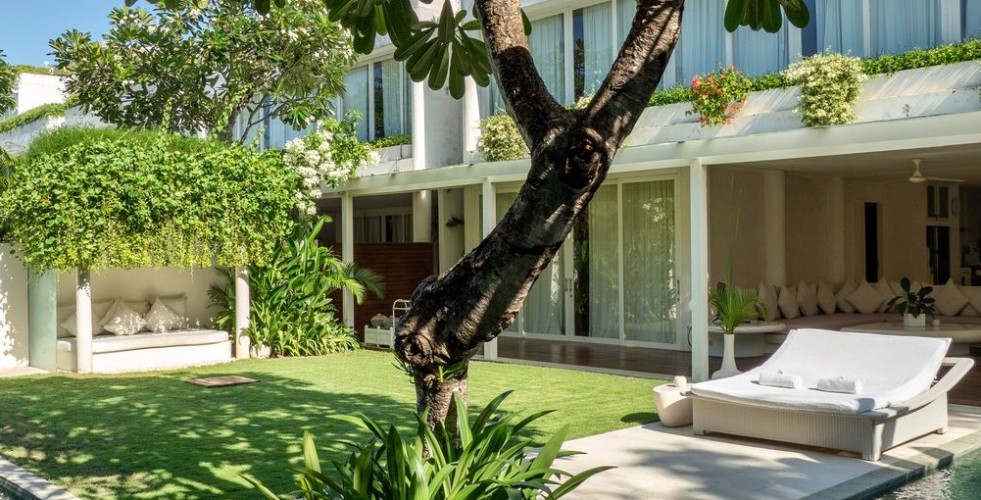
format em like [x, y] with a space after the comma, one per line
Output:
[8, 78]
[103, 198]
[202, 66]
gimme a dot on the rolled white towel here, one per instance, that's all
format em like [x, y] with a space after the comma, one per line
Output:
[781, 379]
[840, 384]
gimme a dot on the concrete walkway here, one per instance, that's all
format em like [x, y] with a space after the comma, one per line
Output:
[654, 461]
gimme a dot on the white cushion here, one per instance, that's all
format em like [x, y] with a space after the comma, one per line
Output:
[807, 298]
[141, 307]
[123, 320]
[162, 318]
[768, 298]
[949, 299]
[67, 323]
[893, 369]
[973, 294]
[145, 340]
[787, 300]
[841, 298]
[887, 291]
[865, 299]
[826, 297]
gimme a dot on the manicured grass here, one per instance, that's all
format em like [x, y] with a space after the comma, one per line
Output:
[155, 436]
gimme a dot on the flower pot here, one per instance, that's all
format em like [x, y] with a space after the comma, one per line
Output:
[910, 321]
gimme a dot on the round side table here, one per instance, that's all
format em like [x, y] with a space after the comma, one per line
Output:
[673, 405]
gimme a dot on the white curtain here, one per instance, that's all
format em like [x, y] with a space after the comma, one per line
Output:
[649, 280]
[902, 25]
[702, 47]
[356, 98]
[598, 45]
[839, 25]
[603, 266]
[548, 49]
[393, 97]
[758, 52]
[625, 17]
[972, 18]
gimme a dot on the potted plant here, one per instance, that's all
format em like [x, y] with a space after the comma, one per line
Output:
[914, 306]
[733, 306]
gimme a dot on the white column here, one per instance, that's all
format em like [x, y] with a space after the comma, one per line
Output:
[83, 321]
[836, 243]
[775, 227]
[699, 270]
[471, 119]
[347, 252]
[422, 224]
[489, 202]
[243, 298]
[418, 125]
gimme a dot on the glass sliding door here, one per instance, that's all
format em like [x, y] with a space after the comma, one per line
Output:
[546, 43]
[902, 25]
[356, 98]
[650, 282]
[597, 269]
[839, 25]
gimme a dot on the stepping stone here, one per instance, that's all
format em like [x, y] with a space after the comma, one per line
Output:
[222, 381]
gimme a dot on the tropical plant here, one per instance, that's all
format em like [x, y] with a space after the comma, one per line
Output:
[500, 139]
[734, 305]
[488, 459]
[719, 95]
[829, 86]
[6, 164]
[913, 302]
[109, 198]
[290, 305]
[571, 152]
[208, 65]
[8, 79]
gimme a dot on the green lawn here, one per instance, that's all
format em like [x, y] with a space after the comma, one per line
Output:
[155, 436]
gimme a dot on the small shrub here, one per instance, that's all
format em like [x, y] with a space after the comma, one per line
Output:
[391, 140]
[500, 139]
[489, 460]
[829, 86]
[718, 96]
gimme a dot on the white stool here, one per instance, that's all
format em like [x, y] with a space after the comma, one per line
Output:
[673, 405]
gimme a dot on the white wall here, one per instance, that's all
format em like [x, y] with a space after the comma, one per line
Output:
[736, 193]
[147, 283]
[13, 310]
[35, 90]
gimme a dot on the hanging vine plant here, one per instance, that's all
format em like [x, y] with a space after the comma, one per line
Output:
[102, 198]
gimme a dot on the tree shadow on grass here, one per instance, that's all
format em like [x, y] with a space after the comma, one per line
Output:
[160, 437]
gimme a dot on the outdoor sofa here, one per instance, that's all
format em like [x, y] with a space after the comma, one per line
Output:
[899, 399]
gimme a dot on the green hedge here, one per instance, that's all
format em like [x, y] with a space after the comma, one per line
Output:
[32, 115]
[108, 198]
[392, 140]
[968, 50]
[38, 70]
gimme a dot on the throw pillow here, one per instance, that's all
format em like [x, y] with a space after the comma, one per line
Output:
[826, 297]
[66, 315]
[789, 307]
[841, 298]
[970, 311]
[949, 300]
[768, 299]
[974, 296]
[883, 287]
[139, 306]
[124, 320]
[807, 298]
[161, 318]
[865, 299]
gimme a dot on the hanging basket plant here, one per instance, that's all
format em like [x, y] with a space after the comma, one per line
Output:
[718, 96]
[829, 86]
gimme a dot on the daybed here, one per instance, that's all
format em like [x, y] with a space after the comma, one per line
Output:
[898, 400]
[150, 351]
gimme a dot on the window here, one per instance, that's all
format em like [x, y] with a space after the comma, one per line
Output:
[902, 25]
[839, 26]
[384, 103]
[971, 18]
[592, 49]
[547, 44]
[383, 228]
[758, 52]
[702, 47]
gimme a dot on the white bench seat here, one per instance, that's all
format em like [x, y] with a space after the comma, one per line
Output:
[149, 351]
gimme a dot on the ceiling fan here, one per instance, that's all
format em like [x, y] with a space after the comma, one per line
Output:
[918, 176]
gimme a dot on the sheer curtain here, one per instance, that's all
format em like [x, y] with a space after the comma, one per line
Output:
[625, 17]
[356, 98]
[649, 280]
[839, 26]
[759, 52]
[548, 50]
[393, 95]
[702, 47]
[972, 18]
[901, 25]
[598, 48]
[603, 266]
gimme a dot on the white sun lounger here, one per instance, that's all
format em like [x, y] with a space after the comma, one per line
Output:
[899, 400]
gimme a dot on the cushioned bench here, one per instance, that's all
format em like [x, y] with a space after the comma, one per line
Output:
[149, 351]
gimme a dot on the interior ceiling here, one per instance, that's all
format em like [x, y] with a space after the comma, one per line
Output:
[957, 162]
[368, 202]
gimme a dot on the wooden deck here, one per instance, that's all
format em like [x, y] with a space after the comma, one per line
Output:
[665, 362]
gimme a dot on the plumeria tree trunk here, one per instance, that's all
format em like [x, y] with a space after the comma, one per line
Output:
[571, 150]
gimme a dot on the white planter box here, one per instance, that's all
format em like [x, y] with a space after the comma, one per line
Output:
[379, 336]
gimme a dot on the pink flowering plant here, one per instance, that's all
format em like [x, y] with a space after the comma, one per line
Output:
[718, 96]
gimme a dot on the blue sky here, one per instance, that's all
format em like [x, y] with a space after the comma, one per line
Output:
[27, 25]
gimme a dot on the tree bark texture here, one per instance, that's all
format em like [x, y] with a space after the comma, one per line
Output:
[571, 152]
